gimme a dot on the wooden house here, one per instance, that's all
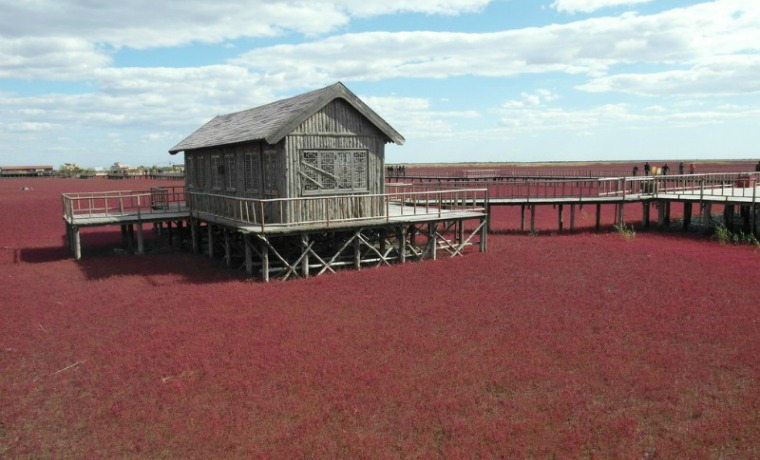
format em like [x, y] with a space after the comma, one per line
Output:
[322, 143]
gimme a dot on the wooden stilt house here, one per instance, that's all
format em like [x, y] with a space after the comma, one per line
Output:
[322, 143]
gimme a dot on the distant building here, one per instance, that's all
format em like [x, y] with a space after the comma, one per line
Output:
[25, 171]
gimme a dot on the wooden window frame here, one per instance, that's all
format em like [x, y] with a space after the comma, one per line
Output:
[334, 171]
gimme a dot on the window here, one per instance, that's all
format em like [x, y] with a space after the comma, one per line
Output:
[217, 171]
[229, 171]
[200, 172]
[271, 169]
[252, 172]
[325, 171]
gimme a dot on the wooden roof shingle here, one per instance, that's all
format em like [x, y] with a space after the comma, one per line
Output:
[273, 121]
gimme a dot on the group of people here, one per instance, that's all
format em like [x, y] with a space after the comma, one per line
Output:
[396, 170]
[665, 169]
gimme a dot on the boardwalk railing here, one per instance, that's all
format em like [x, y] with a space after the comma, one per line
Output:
[336, 209]
[729, 185]
[123, 202]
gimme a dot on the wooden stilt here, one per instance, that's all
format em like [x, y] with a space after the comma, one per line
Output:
[522, 217]
[264, 261]
[77, 243]
[645, 213]
[194, 235]
[560, 216]
[401, 239]
[227, 248]
[572, 217]
[597, 226]
[484, 237]
[305, 259]
[686, 215]
[433, 227]
[358, 253]
[124, 242]
[707, 217]
[533, 218]
[210, 240]
[728, 216]
[248, 254]
[621, 214]
[140, 239]
[131, 239]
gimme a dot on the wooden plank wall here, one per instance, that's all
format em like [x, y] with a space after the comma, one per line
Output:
[338, 126]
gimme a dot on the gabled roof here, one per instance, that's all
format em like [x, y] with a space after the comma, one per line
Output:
[272, 122]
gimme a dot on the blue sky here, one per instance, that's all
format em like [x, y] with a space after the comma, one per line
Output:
[94, 83]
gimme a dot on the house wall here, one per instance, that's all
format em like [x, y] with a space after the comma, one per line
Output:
[338, 127]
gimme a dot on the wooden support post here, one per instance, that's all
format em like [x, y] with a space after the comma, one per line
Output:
[572, 217]
[484, 237]
[77, 243]
[169, 233]
[754, 224]
[401, 237]
[248, 255]
[140, 239]
[413, 235]
[667, 213]
[227, 247]
[661, 214]
[645, 213]
[68, 235]
[597, 226]
[522, 217]
[305, 259]
[210, 227]
[686, 215]
[728, 216]
[357, 251]
[460, 231]
[620, 214]
[533, 218]
[707, 216]
[433, 231]
[124, 242]
[194, 235]
[264, 261]
[131, 238]
[560, 216]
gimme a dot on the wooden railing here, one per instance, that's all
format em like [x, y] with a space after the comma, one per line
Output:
[730, 185]
[336, 209]
[123, 202]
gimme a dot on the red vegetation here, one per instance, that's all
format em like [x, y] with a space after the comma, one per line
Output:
[573, 346]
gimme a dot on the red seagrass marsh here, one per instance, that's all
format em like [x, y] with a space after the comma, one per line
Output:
[574, 345]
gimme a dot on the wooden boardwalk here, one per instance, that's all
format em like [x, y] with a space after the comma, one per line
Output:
[410, 225]
[410, 221]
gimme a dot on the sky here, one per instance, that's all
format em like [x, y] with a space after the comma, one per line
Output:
[96, 82]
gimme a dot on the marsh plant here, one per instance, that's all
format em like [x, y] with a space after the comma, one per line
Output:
[725, 236]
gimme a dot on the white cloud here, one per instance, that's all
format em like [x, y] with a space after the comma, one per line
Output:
[148, 24]
[588, 6]
[686, 37]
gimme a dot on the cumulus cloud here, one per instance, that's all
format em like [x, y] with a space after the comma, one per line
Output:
[148, 24]
[588, 6]
[691, 36]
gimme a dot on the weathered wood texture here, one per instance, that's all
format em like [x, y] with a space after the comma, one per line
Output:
[291, 168]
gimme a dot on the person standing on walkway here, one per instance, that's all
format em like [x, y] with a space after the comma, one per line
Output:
[680, 168]
[646, 168]
[757, 167]
[665, 169]
[636, 169]
[692, 168]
